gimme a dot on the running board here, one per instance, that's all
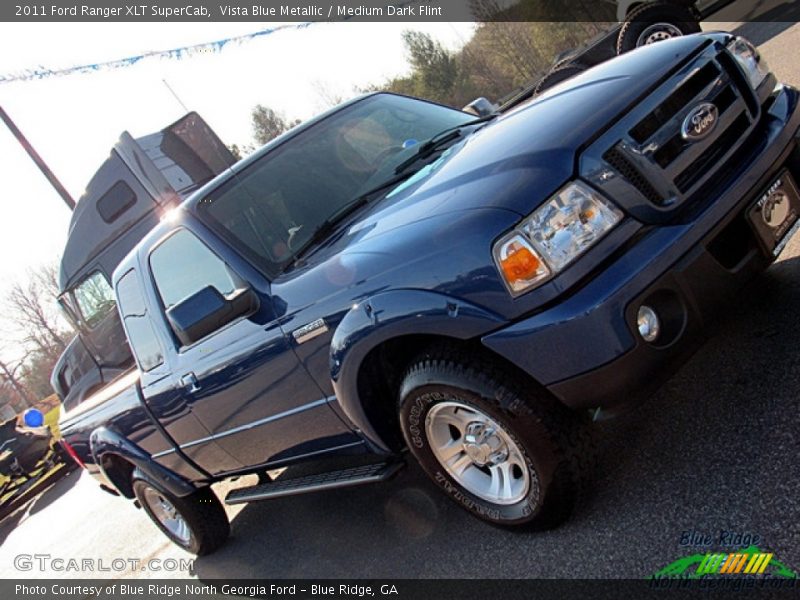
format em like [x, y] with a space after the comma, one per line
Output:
[370, 473]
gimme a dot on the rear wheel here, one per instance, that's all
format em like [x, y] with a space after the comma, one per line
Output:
[654, 22]
[491, 440]
[196, 522]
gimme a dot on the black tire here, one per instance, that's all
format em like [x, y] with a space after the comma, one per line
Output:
[555, 443]
[561, 72]
[208, 525]
[660, 18]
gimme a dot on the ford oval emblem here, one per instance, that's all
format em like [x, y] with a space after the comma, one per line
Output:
[700, 122]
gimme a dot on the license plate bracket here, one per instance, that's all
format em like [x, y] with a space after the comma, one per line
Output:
[775, 215]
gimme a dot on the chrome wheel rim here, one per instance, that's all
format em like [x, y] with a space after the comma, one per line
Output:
[166, 514]
[477, 452]
[658, 32]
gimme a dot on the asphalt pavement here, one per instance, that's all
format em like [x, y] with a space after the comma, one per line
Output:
[715, 450]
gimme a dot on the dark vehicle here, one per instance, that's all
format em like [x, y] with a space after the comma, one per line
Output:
[647, 21]
[140, 181]
[396, 275]
[640, 23]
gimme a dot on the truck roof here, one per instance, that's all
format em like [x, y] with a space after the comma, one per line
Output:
[141, 178]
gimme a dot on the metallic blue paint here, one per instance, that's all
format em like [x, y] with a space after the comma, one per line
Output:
[418, 262]
[390, 315]
[588, 329]
[105, 441]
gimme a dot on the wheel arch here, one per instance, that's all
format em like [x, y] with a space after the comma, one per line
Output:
[396, 319]
[117, 458]
[378, 339]
[118, 471]
[632, 7]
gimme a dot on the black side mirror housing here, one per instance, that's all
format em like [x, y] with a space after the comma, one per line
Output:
[207, 310]
[480, 107]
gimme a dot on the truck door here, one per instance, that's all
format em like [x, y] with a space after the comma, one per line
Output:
[162, 397]
[242, 380]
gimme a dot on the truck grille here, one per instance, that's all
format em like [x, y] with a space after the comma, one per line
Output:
[676, 102]
[617, 159]
[714, 153]
[647, 152]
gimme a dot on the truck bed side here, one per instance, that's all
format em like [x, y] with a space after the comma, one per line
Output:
[116, 412]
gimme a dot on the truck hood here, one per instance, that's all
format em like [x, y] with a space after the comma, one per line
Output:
[517, 161]
[436, 230]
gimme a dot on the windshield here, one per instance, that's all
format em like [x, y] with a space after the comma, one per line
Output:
[271, 209]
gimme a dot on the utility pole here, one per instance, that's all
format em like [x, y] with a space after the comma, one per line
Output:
[62, 191]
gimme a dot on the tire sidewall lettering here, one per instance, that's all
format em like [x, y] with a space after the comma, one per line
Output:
[414, 423]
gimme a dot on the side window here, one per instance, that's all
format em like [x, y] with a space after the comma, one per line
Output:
[95, 298]
[182, 265]
[137, 324]
[119, 198]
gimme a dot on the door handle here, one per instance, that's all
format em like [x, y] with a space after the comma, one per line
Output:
[189, 381]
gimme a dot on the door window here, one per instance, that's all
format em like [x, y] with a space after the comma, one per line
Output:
[182, 265]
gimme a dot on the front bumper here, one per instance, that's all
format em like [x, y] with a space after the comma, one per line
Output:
[586, 349]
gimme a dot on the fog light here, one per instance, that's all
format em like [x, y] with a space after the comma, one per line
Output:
[648, 323]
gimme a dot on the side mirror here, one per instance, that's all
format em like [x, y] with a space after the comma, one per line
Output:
[207, 310]
[480, 107]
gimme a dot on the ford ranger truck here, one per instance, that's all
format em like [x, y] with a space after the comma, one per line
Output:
[397, 279]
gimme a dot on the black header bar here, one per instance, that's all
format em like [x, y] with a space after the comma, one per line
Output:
[365, 10]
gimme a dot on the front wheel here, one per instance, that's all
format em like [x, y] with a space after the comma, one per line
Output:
[654, 22]
[504, 450]
[196, 522]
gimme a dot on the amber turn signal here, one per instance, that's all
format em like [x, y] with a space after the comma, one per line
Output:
[519, 263]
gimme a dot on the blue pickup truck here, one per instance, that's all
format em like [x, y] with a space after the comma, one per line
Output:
[398, 279]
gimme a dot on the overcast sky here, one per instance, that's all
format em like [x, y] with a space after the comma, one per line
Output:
[73, 121]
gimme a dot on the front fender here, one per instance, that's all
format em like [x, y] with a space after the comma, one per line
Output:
[391, 315]
[105, 441]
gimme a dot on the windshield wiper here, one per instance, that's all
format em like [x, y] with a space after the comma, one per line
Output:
[400, 173]
[438, 140]
[325, 228]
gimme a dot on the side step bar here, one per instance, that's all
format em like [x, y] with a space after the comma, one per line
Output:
[370, 473]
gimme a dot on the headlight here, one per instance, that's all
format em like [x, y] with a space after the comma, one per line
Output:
[750, 60]
[557, 233]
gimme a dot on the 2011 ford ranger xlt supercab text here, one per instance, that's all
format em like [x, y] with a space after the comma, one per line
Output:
[395, 277]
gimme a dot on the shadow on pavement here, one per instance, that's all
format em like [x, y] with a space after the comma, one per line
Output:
[55, 491]
[42, 500]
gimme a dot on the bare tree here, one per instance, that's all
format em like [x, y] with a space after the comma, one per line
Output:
[28, 307]
[31, 311]
[32, 320]
[326, 95]
[8, 375]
